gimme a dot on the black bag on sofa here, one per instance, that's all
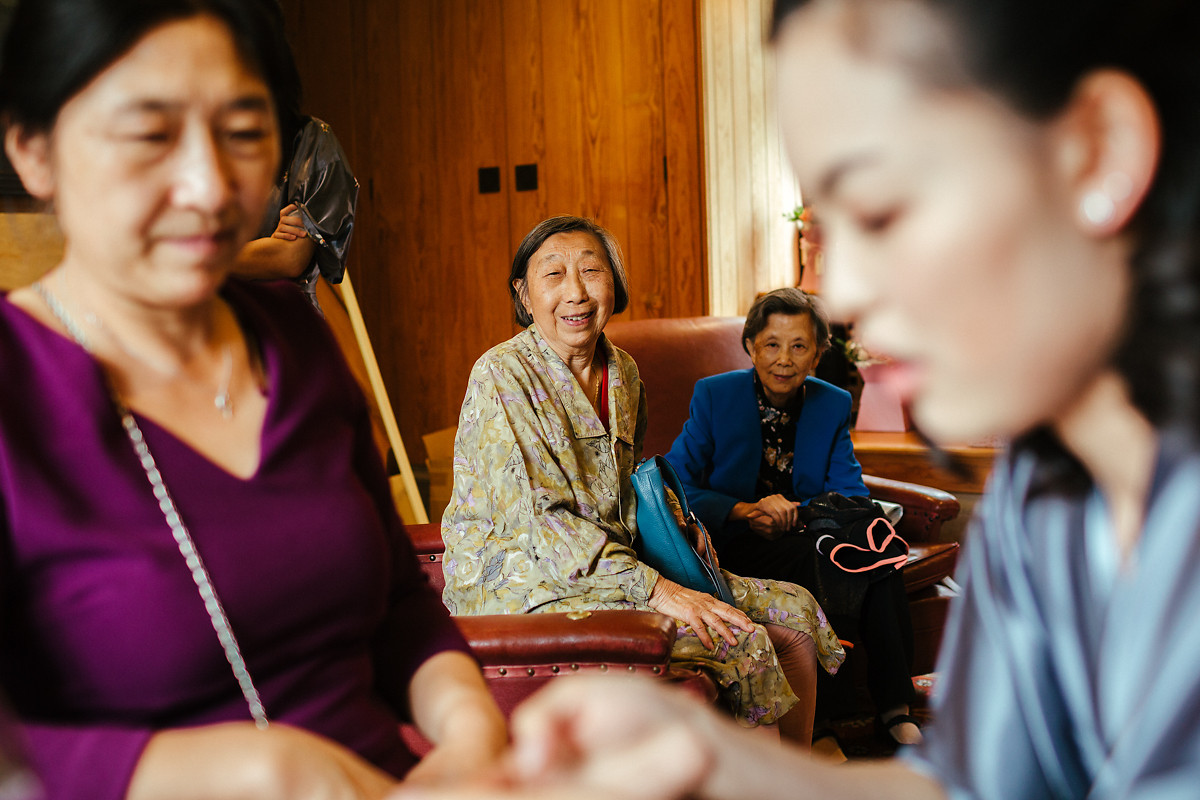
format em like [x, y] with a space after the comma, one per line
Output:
[855, 545]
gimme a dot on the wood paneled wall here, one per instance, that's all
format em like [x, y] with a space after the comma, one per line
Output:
[750, 185]
[603, 95]
[30, 244]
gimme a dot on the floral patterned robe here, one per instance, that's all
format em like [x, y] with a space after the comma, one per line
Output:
[543, 517]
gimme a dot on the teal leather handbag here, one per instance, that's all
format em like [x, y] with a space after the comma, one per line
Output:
[661, 542]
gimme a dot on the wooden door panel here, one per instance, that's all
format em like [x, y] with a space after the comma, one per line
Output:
[685, 285]
[525, 113]
[470, 311]
[425, 92]
[644, 153]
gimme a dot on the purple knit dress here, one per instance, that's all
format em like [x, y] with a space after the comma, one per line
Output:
[104, 639]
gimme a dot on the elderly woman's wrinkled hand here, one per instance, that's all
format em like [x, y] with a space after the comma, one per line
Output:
[783, 512]
[763, 524]
[699, 610]
[770, 517]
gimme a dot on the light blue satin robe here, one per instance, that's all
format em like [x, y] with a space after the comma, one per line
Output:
[1063, 672]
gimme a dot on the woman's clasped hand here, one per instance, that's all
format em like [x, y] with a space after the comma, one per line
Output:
[291, 226]
[771, 517]
[628, 738]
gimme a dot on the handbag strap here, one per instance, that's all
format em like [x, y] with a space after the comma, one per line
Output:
[670, 478]
[183, 538]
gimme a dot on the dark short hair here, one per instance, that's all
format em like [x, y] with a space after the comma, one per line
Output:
[54, 48]
[790, 302]
[1032, 54]
[566, 224]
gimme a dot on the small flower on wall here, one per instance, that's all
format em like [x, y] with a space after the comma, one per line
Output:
[802, 217]
[853, 351]
[809, 236]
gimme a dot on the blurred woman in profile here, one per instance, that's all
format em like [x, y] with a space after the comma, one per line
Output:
[1010, 193]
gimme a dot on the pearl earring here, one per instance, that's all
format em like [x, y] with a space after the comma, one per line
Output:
[1097, 208]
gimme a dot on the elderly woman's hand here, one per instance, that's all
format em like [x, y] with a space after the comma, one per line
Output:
[770, 518]
[784, 512]
[699, 610]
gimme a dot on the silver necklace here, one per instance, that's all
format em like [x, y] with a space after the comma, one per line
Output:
[183, 538]
[222, 400]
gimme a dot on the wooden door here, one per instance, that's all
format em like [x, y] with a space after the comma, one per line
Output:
[602, 95]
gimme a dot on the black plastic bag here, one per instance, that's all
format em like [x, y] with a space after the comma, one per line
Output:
[319, 181]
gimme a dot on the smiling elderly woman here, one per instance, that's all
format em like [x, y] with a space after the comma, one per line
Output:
[543, 516]
[761, 443]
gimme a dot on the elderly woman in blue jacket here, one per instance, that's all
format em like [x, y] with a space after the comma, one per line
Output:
[760, 443]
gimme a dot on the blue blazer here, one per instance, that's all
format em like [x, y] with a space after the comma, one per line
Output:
[718, 453]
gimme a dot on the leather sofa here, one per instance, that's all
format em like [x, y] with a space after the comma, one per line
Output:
[672, 354]
[521, 652]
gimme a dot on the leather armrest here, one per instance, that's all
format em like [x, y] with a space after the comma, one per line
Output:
[928, 564]
[570, 642]
[925, 508]
[426, 538]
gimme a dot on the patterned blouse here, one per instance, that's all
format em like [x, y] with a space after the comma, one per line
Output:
[779, 444]
[543, 517]
[542, 513]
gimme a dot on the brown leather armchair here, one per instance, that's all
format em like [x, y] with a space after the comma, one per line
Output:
[672, 354]
[518, 652]
[521, 652]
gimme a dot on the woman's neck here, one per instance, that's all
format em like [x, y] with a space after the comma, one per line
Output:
[780, 402]
[587, 365]
[162, 334]
[581, 361]
[1118, 447]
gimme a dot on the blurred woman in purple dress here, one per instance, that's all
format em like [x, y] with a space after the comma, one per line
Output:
[206, 591]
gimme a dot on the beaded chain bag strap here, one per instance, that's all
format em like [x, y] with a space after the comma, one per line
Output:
[183, 538]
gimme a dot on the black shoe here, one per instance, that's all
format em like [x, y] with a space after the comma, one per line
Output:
[885, 728]
[827, 746]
